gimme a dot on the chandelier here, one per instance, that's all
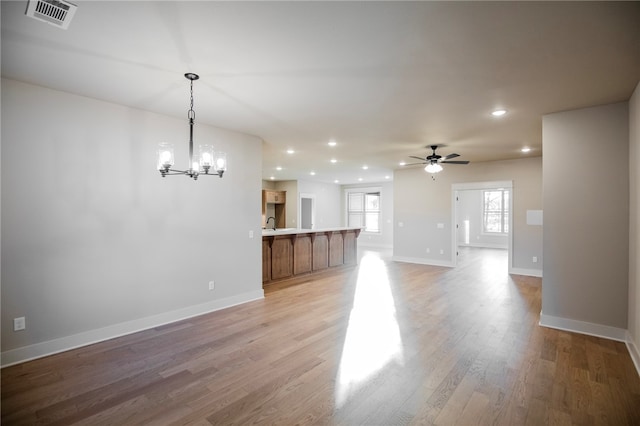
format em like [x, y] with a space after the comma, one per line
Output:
[208, 162]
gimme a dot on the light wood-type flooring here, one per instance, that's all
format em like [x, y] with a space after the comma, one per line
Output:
[382, 343]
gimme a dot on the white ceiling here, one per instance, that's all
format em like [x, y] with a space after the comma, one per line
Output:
[384, 79]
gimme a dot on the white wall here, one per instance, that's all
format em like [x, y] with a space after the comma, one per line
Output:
[95, 243]
[327, 202]
[586, 220]
[633, 336]
[383, 239]
[421, 203]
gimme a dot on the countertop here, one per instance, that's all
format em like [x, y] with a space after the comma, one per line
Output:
[289, 231]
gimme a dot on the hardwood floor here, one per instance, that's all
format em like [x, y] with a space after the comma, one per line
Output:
[382, 343]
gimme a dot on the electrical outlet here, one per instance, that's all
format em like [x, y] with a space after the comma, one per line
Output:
[212, 285]
[428, 250]
[441, 251]
[19, 324]
[250, 234]
[535, 259]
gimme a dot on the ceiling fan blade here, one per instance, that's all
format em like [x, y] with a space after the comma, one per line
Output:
[413, 164]
[455, 162]
[417, 158]
[450, 156]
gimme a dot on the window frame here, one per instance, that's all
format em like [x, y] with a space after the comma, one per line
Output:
[364, 191]
[504, 211]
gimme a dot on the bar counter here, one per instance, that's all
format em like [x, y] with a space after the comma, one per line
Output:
[289, 252]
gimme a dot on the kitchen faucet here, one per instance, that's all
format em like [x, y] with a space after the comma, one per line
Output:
[274, 222]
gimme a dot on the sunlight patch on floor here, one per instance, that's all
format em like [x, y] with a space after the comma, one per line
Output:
[373, 336]
[494, 263]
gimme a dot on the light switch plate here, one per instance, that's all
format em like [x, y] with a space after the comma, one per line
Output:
[19, 324]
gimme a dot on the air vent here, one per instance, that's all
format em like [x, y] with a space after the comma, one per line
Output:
[54, 12]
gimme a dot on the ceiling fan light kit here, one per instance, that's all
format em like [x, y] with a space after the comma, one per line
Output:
[433, 168]
[208, 162]
[434, 160]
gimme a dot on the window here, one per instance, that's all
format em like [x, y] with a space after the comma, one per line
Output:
[495, 211]
[363, 210]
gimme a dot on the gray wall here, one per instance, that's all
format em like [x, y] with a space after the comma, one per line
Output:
[291, 208]
[634, 224]
[420, 203]
[586, 215]
[269, 184]
[95, 242]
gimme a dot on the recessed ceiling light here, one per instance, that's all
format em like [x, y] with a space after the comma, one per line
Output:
[332, 143]
[387, 177]
[312, 173]
[290, 151]
[273, 177]
[278, 168]
[336, 181]
[402, 163]
[365, 167]
[526, 149]
[360, 179]
[334, 161]
[499, 112]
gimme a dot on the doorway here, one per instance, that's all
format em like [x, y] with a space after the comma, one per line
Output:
[307, 211]
[482, 214]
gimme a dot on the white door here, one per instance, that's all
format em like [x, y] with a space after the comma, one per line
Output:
[306, 212]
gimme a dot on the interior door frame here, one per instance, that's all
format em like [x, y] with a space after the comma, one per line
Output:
[505, 184]
[313, 209]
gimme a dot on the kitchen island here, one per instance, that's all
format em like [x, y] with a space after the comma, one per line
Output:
[289, 252]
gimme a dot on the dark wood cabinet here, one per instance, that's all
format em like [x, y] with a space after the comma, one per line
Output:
[305, 252]
[281, 258]
[275, 197]
[266, 261]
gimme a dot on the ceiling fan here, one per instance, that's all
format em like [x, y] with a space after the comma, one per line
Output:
[434, 160]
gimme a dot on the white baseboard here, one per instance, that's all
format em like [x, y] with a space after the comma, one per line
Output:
[582, 327]
[633, 351]
[527, 272]
[39, 350]
[423, 261]
[449, 264]
[486, 245]
[365, 244]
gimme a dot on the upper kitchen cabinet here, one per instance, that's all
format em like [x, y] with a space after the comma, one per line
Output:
[274, 205]
[274, 197]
